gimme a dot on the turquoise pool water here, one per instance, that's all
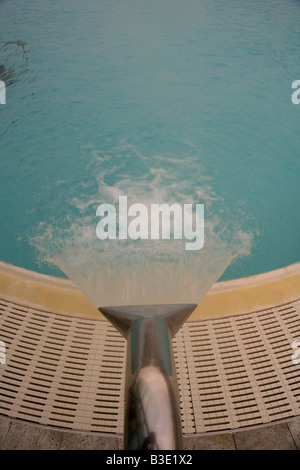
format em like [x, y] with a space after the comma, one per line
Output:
[161, 100]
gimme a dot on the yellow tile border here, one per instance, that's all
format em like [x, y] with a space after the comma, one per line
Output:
[251, 294]
[32, 289]
[234, 297]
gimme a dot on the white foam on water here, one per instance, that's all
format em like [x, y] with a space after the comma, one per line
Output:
[135, 272]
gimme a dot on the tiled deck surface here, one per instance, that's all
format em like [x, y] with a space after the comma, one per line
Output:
[66, 374]
[22, 435]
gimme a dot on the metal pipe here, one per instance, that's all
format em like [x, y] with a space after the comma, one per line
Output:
[152, 417]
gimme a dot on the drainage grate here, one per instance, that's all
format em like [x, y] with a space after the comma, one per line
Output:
[69, 372]
[237, 371]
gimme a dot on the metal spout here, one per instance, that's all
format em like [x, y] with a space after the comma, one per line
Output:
[152, 417]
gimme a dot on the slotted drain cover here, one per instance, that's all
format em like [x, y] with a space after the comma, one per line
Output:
[69, 372]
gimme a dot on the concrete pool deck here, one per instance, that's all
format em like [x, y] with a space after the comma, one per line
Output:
[61, 386]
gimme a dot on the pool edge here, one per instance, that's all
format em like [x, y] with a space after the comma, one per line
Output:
[225, 298]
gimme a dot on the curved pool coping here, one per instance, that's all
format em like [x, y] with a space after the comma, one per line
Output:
[225, 298]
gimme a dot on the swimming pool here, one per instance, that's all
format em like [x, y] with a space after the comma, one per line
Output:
[163, 101]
